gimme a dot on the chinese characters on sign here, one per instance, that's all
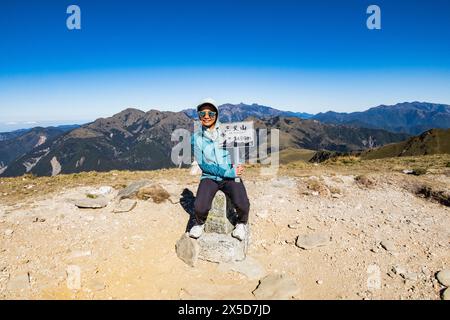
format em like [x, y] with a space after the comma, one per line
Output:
[237, 133]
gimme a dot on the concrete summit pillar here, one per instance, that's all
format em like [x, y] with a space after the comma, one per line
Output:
[222, 217]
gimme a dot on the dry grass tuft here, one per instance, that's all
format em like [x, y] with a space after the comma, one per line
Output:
[419, 171]
[314, 185]
[335, 190]
[155, 192]
[428, 191]
[344, 160]
[365, 181]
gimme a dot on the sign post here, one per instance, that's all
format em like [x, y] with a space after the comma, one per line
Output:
[236, 161]
[237, 134]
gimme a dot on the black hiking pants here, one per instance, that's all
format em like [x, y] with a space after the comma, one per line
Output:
[208, 188]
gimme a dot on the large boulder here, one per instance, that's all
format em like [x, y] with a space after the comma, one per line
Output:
[217, 247]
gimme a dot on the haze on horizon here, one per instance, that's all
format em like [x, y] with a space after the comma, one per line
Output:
[290, 55]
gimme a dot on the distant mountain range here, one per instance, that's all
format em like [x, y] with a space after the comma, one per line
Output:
[19, 142]
[239, 112]
[11, 135]
[129, 140]
[407, 117]
[16, 133]
[138, 140]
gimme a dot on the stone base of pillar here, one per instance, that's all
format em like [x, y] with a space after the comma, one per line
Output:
[216, 243]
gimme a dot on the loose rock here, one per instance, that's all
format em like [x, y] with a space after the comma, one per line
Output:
[388, 245]
[399, 270]
[446, 294]
[443, 277]
[187, 250]
[311, 241]
[249, 267]
[90, 203]
[19, 282]
[262, 213]
[96, 285]
[411, 276]
[276, 287]
[132, 189]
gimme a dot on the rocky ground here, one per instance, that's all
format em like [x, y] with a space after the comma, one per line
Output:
[327, 233]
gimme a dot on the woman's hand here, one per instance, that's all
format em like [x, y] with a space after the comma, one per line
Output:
[240, 170]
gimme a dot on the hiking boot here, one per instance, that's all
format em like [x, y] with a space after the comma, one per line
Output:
[240, 231]
[196, 231]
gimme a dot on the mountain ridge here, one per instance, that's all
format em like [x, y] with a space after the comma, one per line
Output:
[407, 117]
[133, 139]
[238, 112]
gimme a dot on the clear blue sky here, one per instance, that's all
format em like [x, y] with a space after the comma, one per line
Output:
[307, 56]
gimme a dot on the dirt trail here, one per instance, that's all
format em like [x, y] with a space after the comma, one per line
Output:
[131, 255]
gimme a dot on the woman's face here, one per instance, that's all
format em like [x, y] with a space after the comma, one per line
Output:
[207, 116]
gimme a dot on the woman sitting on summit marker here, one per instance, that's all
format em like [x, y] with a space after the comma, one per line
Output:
[217, 173]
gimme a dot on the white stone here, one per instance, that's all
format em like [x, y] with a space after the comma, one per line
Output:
[102, 191]
[73, 277]
[79, 254]
[373, 277]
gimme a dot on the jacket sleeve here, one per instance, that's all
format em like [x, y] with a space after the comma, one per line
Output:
[210, 168]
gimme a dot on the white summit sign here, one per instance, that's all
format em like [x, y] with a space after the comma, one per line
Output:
[237, 134]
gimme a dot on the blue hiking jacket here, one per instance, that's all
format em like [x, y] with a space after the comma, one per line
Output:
[213, 159]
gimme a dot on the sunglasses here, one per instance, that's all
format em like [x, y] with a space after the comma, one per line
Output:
[211, 114]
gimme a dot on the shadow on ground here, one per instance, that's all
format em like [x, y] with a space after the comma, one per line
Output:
[187, 202]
